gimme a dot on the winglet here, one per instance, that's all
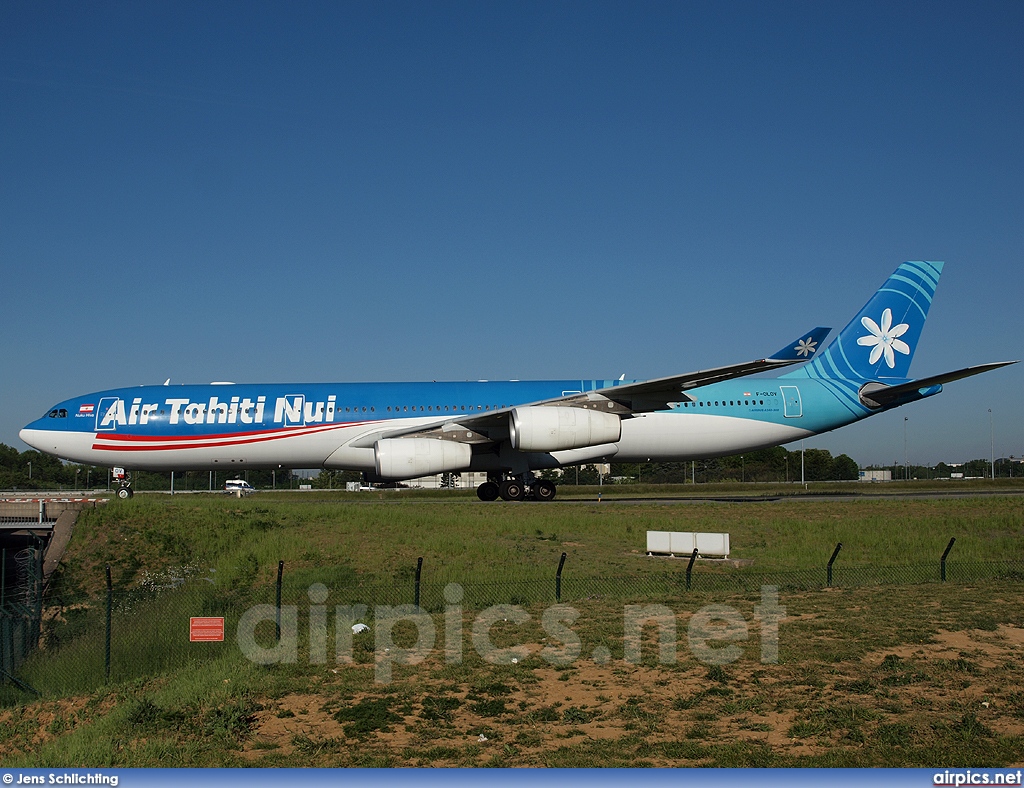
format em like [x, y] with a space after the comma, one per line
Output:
[804, 348]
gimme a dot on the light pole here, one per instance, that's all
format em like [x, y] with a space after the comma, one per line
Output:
[992, 439]
[30, 471]
[906, 466]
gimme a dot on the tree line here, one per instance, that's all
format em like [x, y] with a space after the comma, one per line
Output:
[775, 464]
[33, 470]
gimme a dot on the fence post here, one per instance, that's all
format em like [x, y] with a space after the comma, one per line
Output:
[110, 606]
[277, 600]
[37, 622]
[831, 561]
[689, 568]
[942, 562]
[419, 571]
[558, 579]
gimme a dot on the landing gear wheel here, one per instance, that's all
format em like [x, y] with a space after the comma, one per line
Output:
[488, 491]
[544, 490]
[124, 493]
[512, 490]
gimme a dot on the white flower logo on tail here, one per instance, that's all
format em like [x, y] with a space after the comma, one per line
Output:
[805, 347]
[883, 339]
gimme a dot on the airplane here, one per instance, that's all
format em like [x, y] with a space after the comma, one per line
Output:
[512, 429]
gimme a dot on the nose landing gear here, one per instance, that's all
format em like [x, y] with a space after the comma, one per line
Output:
[124, 481]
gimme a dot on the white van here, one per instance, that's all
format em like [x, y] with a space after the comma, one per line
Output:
[238, 487]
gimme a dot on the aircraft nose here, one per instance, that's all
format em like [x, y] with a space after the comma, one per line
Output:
[27, 435]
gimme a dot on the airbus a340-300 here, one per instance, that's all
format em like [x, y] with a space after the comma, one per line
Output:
[511, 429]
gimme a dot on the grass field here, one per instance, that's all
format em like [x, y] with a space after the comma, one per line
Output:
[920, 674]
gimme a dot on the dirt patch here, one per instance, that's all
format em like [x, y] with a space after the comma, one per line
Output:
[988, 649]
[26, 729]
[534, 709]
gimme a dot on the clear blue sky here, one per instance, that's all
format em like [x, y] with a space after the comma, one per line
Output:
[416, 191]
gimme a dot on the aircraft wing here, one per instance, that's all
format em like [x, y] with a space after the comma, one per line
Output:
[625, 400]
[649, 395]
[879, 395]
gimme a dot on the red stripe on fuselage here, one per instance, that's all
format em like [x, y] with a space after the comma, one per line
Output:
[123, 442]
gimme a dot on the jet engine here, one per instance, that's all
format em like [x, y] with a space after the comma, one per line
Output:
[408, 458]
[558, 428]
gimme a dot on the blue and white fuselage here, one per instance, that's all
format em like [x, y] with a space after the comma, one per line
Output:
[512, 428]
[313, 425]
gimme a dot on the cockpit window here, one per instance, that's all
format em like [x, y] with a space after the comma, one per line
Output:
[57, 413]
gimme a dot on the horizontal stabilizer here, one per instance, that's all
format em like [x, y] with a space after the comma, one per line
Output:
[803, 349]
[878, 395]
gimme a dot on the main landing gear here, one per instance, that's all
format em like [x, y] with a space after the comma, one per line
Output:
[514, 489]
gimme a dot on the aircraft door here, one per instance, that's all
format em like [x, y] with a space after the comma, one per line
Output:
[109, 413]
[793, 407]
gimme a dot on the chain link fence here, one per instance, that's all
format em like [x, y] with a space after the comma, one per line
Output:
[59, 644]
[20, 608]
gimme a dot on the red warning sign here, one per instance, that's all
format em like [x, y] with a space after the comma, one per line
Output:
[205, 630]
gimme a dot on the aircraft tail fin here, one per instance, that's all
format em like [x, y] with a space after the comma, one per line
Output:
[879, 342]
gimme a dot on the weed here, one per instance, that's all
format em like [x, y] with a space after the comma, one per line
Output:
[547, 713]
[969, 728]
[233, 720]
[577, 716]
[315, 747]
[894, 734]
[437, 708]
[490, 708]
[367, 716]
